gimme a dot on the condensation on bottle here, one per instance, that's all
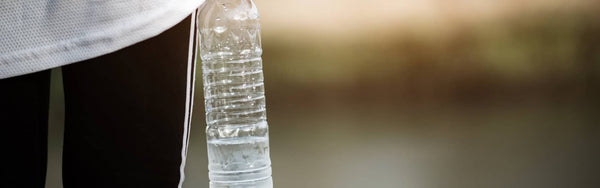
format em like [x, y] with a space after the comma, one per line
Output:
[237, 130]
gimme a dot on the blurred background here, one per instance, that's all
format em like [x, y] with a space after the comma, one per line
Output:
[421, 94]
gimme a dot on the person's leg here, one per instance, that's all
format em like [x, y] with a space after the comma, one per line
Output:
[125, 114]
[24, 129]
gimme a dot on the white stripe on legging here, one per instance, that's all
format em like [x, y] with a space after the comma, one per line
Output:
[189, 100]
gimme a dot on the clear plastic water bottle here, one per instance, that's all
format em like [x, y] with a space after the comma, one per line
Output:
[237, 130]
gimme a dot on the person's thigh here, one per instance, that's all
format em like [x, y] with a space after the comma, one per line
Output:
[125, 114]
[24, 129]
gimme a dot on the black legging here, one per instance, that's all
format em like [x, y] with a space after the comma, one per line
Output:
[124, 124]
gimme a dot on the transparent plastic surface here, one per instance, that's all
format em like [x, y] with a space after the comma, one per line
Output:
[237, 130]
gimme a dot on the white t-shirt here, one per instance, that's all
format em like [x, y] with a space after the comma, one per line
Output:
[36, 35]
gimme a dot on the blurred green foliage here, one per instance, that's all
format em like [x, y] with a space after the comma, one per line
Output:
[537, 54]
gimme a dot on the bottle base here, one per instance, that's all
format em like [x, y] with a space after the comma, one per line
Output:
[261, 183]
